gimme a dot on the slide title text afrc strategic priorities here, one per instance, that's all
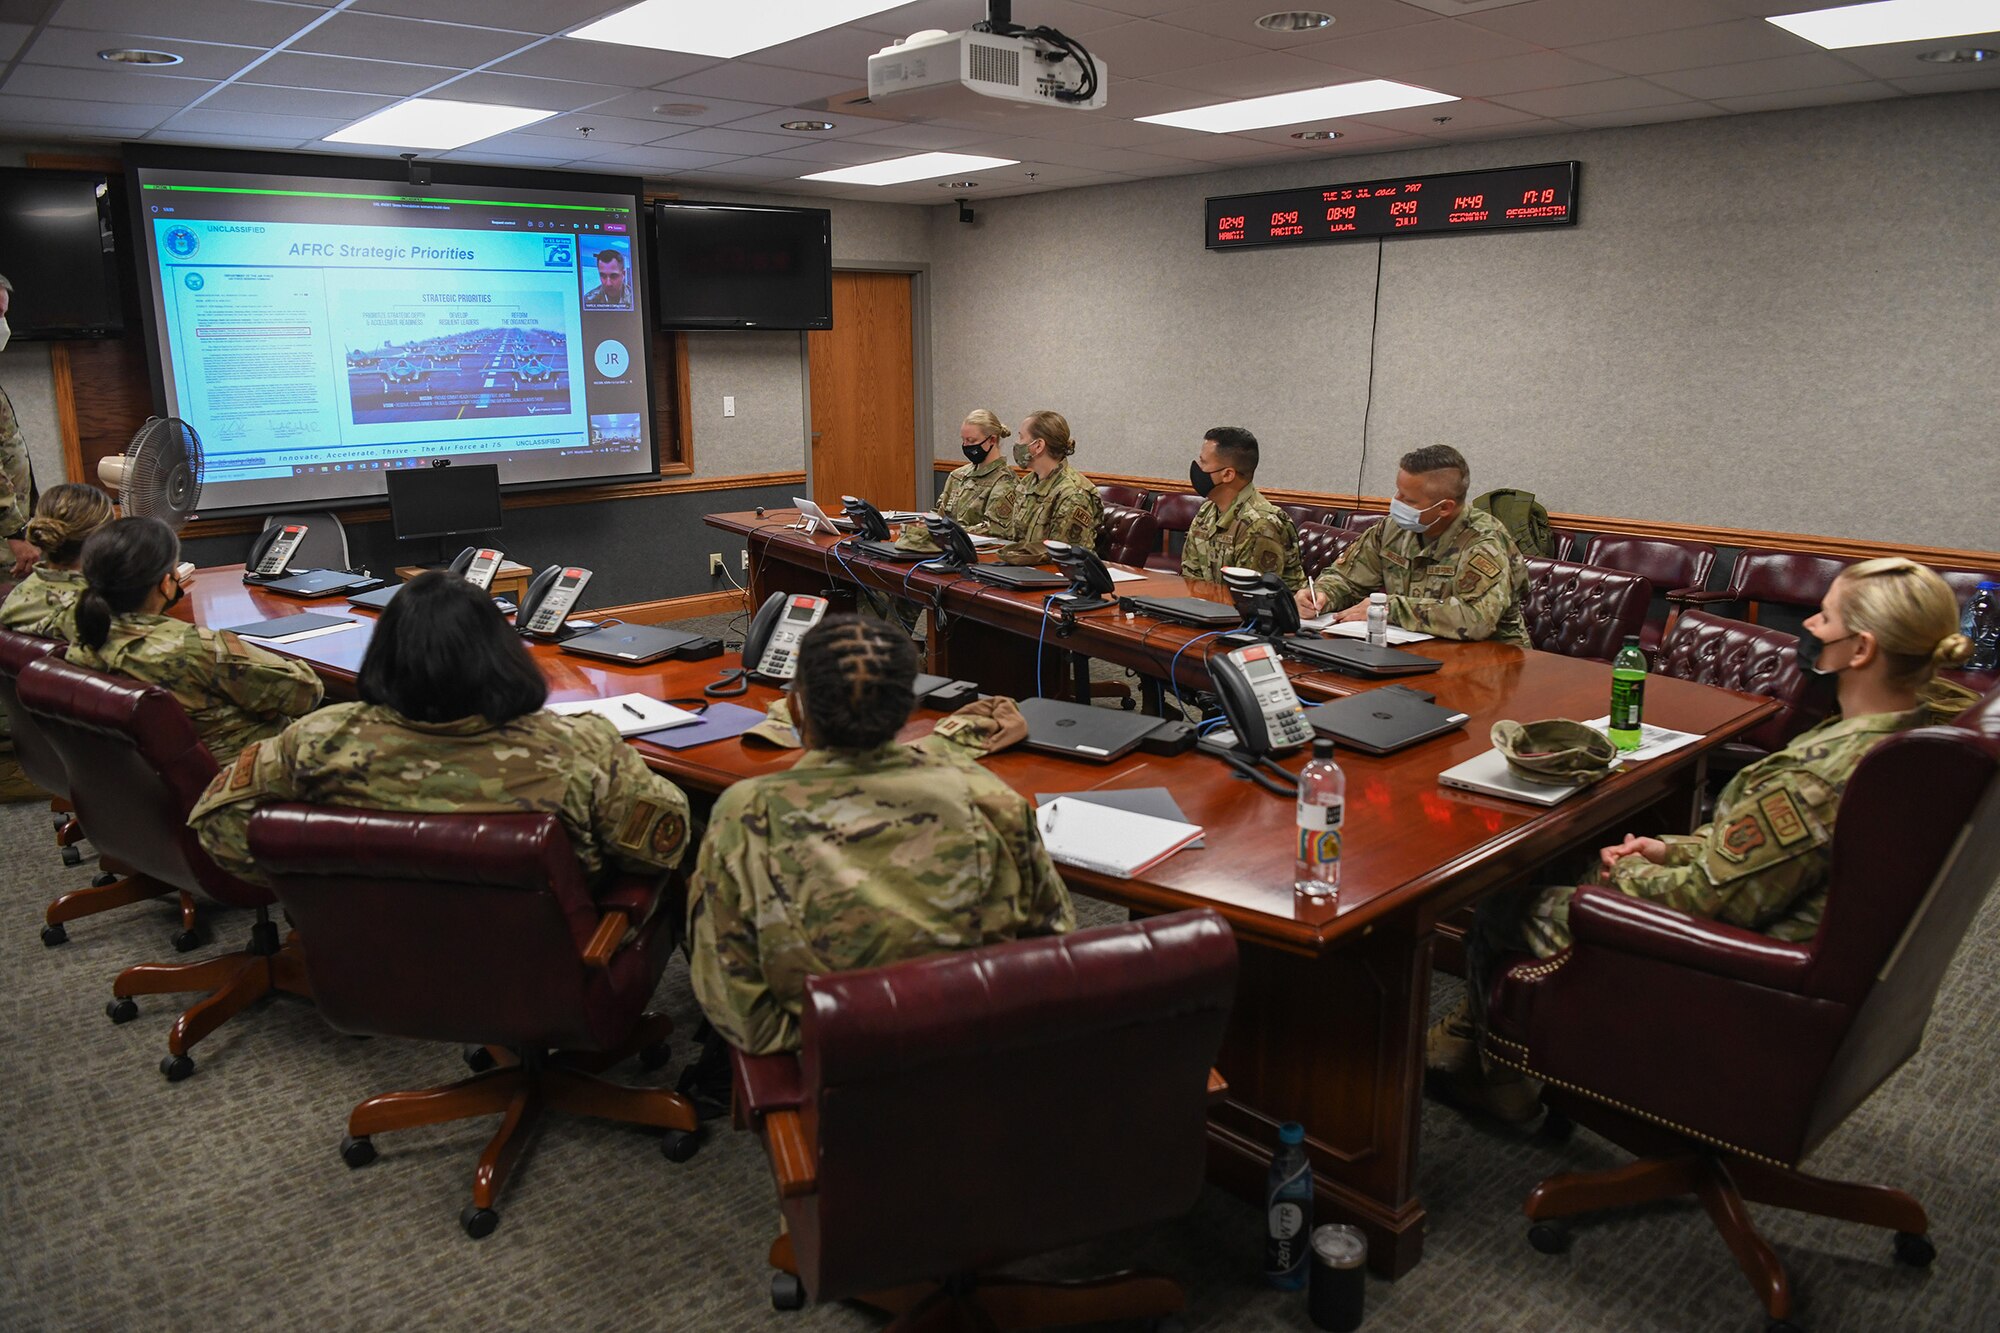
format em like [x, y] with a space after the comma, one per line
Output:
[387, 253]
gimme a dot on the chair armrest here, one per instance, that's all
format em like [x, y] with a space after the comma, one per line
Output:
[1701, 596]
[1605, 918]
[791, 1154]
[1218, 1088]
[766, 1083]
[610, 931]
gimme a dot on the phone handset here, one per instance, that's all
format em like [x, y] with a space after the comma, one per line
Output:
[271, 554]
[550, 599]
[771, 645]
[1263, 711]
[477, 565]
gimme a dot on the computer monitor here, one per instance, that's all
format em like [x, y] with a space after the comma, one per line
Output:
[443, 501]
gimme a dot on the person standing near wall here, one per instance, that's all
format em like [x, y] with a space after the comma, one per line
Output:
[17, 474]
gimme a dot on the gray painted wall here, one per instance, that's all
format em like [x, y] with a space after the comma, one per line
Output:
[1796, 360]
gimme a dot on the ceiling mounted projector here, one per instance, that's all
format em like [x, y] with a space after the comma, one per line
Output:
[937, 74]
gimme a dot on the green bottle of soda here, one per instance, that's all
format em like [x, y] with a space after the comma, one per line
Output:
[1628, 693]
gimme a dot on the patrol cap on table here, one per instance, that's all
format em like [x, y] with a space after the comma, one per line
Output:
[1557, 751]
[777, 728]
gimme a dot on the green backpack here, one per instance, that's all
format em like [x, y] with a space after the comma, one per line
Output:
[1523, 517]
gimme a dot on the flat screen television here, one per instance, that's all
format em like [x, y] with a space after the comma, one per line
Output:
[443, 501]
[742, 266]
[324, 323]
[57, 248]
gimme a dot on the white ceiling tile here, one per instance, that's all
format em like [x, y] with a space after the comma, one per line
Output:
[1256, 75]
[1898, 60]
[1129, 161]
[1783, 101]
[1139, 50]
[603, 129]
[1950, 81]
[1121, 133]
[343, 74]
[1586, 98]
[231, 141]
[479, 152]
[1147, 8]
[57, 111]
[714, 110]
[514, 90]
[1757, 77]
[1643, 115]
[753, 168]
[295, 101]
[245, 21]
[1068, 16]
[744, 143]
[1566, 23]
[11, 37]
[374, 37]
[654, 159]
[1216, 149]
[202, 120]
[1352, 134]
[841, 153]
[106, 85]
[773, 122]
[78, 50]
[1511, 74]
[537, 16]
[746, 81]
[927, 138]
[1132, 98]
[1237, 19]
[1692, 48]
[1459, 118]
[840, 52]
[1397, 51]
[603, 62]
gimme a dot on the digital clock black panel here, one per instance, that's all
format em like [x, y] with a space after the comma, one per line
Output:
[1539, 196]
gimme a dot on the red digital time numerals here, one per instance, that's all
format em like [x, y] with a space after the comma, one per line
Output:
[1229, 228]
[1403, 213]
[1286, 224]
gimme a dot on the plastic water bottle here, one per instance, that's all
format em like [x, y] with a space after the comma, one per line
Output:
[1981, 624]
[1378, 619]
[1322, 808]
[1628, 694]
[1288, 1206]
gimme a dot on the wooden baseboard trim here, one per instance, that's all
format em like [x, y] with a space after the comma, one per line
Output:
[1846, 548]
[677, 608]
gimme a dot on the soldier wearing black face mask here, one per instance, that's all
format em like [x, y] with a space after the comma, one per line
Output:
[982, 491]
[1235, 524]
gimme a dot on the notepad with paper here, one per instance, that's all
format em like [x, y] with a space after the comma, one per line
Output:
[1119, 843]
[1358, 629]
[632, 714]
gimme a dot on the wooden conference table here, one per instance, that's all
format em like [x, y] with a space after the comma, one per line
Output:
[1333, 998]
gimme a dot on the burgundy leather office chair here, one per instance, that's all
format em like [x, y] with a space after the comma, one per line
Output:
[1361, 522]
[1582, 611]
[1664, 562]
[1127, 536]
[1127, 496]
[136, 768]
[1722, 1057]
[1320, 544]
[1786, 578]
[1175, 514]
[1565, 540]
[481, 930]
[1304, 514]
[896, 1134]
[1736, 655]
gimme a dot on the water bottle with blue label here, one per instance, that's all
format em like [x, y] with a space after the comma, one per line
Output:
[1288, 1203]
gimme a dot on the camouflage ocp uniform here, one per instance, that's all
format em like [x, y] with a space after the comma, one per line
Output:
[1062, 507]
[616, 811]
[17, 481]
[977, 494]
[235, 692]
[852, 861]
[1252, 532]
[44, 603]
[1465, 584]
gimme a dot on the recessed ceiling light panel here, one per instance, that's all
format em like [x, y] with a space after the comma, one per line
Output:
[1316, 134]
[1331, 103]
[958, 185]
[1296, 20]
[1960, 55]
[1891, 21]
[724, 30]
[805, 125]
[437, 123]
[128, 55]
[917, 167]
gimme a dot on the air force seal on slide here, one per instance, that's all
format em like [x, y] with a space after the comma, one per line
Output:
[182, 242]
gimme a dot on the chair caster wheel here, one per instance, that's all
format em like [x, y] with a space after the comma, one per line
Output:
[656, 1056]
[176, 1067]
[1549, 1237]
[122, 1009]
[478, 1059]
[1914, 1250]
[71, 856]
[1555, 1128]
[478, 1222]
[787, 1292]
[103, 881]
[187, 941]
[357, 1153]
[55, 934]
[679, 1144]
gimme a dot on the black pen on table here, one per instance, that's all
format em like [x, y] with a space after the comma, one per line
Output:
[627, 706]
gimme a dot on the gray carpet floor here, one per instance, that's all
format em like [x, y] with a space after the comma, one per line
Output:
[222, 1203]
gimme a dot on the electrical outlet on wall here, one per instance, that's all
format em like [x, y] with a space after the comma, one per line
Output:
[729, 404]
[714, 563]
[746, 560]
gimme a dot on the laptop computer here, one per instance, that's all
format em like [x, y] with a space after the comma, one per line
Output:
[1353, 657]
[1489, 775]
[825, 522]
[1196, 611]
[1019, 577]
[890, 551]
[1082, 732]
[322, 583]
[629, 643]
[1382, 721]
[378, 600]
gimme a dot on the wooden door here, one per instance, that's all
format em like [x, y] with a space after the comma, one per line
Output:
[864, 419]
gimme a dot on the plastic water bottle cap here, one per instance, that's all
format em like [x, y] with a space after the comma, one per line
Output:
[1988, 585]
[1291, 1132]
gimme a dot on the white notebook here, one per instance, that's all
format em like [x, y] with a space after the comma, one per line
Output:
[632, 714]
[1358, 629]
[1119, 843]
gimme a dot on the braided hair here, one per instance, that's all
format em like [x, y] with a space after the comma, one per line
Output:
[856, 677]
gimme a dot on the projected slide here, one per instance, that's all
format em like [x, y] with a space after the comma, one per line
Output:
[318, 332]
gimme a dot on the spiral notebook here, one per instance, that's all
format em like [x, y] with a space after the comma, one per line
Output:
[1119, 843]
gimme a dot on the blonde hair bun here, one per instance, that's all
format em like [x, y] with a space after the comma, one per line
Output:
[986, 423]
[1953, 650]
[46, 533]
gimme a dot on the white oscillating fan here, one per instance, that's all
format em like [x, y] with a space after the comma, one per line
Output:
[159, 474]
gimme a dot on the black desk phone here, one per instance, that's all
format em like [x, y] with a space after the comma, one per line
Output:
[1266, 603]
[1263, 711]
[771, 646]
[271, 554]
[550, 598]
[478, 564]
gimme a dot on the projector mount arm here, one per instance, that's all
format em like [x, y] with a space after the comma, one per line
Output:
[1000, 20]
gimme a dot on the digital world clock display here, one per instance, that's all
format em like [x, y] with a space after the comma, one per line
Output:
[1538, 196]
